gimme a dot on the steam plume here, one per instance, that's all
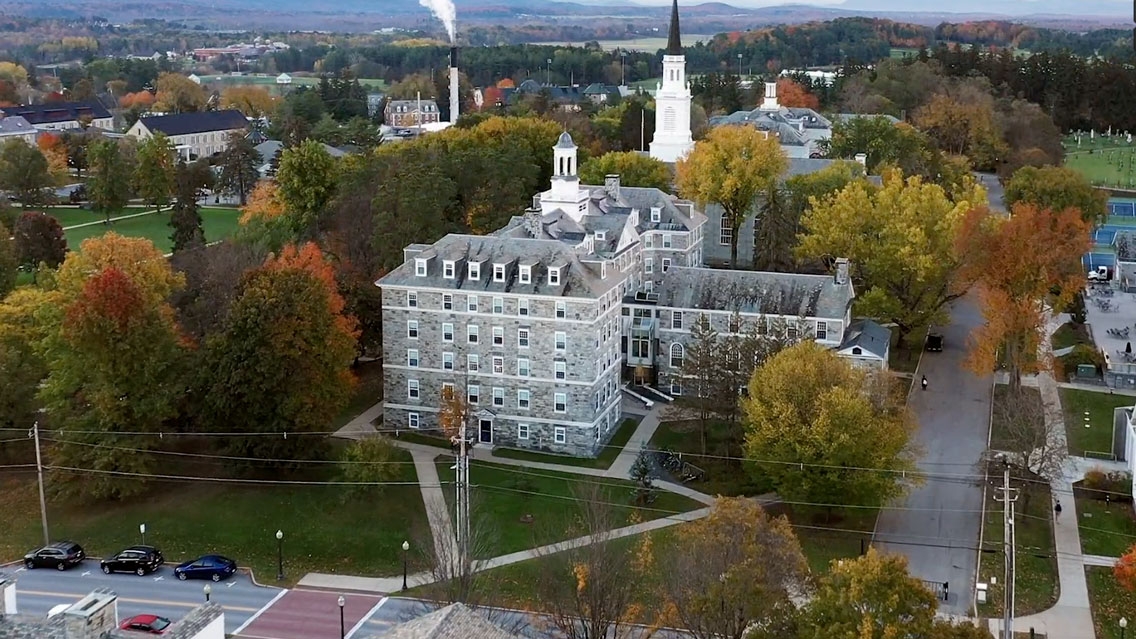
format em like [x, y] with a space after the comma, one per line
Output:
[444, 10]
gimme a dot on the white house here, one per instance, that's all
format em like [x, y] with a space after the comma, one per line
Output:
[195, 135]
[283, 78]
[60, 116]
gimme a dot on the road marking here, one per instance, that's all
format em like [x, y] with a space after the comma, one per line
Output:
[230, 584]
[21, 569]
[258, 613]
[153, 602]
[158, 578]
[366, 617]
[86, 574]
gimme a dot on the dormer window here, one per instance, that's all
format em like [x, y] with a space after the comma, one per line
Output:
[474, 271]
[498, 272]
[448, 269]
[554, 276]
[526, 274]
[601, 236]
[420, 268]
[656, 213]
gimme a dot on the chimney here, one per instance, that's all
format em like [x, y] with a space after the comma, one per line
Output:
[93, 615]
[455, 97]
[862, 158]
[7, 595]
[532, 222]
[800, 126]
[841, 271]
[611, 185]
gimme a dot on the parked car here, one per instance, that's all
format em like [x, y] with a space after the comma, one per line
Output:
[139, 560]
[61, 555]
[152, 624]
[934, 342]
[213, 567]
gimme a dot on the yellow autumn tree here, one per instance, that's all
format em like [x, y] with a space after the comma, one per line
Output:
[453, 411]
[253, 102]
[730, 167]
[138, 258]
[178, 94]
[263, 204]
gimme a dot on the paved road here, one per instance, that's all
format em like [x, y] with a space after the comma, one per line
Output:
[939, 540]
[37, 591]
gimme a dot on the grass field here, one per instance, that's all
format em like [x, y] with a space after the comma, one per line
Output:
[1107, 529]
[1103, 161]
[1070, 334]
[269, 82]
[1098, 437]
[219, 223]
[999, 440]
[1109, 602]
[723, 476]
[603, 460]
[1037, 583]
[649, 45]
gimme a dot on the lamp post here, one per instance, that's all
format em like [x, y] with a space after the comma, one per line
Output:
[739, 67]
[208, 590]
[342, 628]
[142, 531]
[279, 555]
[1123, 625]
[548, 72]
[405, 550]
[622, 71]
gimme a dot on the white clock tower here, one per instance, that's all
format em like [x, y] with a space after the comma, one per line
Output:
[672, 102]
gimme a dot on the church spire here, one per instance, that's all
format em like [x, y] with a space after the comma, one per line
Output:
[674, 44]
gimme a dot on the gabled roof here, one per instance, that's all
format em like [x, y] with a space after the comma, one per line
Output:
[754, 292]
[189, 123]
[53, 112]
[455, 621]
[15, 125]
[869, 336]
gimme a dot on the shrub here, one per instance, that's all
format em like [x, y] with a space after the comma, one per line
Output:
[371, 459]
[1117, 485]
[1081, 354]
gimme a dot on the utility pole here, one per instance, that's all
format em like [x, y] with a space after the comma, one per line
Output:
[1008, 496]
[39, 473]
[462, 499]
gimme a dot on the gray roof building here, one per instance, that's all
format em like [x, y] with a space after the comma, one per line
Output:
[455, 621]
[755, 292]
[16, 126]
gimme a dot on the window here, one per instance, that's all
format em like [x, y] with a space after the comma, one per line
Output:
[475, 271]
[522, 431]
[412, 299]
[447, 361]
[735, 324]
[498, 336]
[676, 389]
[498, 365]
[554, 276]
[560, 434]
[666, 240]
[447, 332]
[649, 265]
[791, 331]
[499, 397]
[726, 232]
[522, 367]
[676, 320]
[412, 420]
[447, 301]
[412, 388]
[498, 306]
[762, 326]
[473, 394]
[526, 274]
[561, 310]
[412, 358]
[523, 307]
[561, 340]
[640, 347]
[666, 264]
[412, 329]
[471, 303]
[656, 213]
[561, 368]
[472, 363]
[822, 330]
[498, 272]
[448, 269]
[522, 338]
[560, 405]
[471, 333]
[523, 399]
[648, 241]
[676, 355]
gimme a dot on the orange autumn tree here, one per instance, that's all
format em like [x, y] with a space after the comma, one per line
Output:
[790, 93]
[54, 151]
[1017, 262]
[263, 204]
[1125, 569]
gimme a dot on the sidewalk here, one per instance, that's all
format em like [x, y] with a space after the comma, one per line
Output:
[621, 467]
[438, 514]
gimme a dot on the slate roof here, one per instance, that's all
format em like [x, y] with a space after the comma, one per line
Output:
[786, 123]
[53, 112]
[452, 622]
[190, 123]
[869, 336]
[754, 292]
[15, 125]
[268, 148]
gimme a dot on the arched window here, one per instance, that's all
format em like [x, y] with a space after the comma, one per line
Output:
[726, 230]
[676, 355]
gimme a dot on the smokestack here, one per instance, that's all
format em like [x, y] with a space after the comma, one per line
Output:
[454, 90]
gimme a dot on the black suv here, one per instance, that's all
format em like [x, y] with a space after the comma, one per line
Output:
[934, 342]
[139, 560]
[61, 555]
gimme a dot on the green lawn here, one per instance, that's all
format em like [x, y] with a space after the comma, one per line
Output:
[1104, 161]
[219, 223]
[906, 359]
[723, 476]
[1069, 334]
[1098, 437]
[323, 531]
[368, 392]
[604, 460]
[826, 536]
[1109, 602]
[1037, 583]
[1107, 529]
[502, 495]
[999, 440]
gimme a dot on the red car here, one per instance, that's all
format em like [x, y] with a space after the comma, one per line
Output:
[152, 624]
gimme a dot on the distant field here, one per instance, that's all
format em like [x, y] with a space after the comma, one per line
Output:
[269, 82]
[1104, 161]
[219, 223]
[649, 45]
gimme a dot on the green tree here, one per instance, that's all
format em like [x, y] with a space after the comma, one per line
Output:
[154, 172]
[240, 165]
[8, 262]
[632, 168]
[24, 173]
[186, 219]
[39, 240]
[901, 240]
[808, 406]
[108, 181]
[1056, 188]
[779, 225]
[730, 168]
[22, 367]
[870, 597]
[703, 363]
[306, 179]
[373, 461]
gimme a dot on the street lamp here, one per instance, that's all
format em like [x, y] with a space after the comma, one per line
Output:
[548, 72]
[405, 549]
[1123, 625]
[622, 71]
[279, 555]
[142, 530]
[342, 628]
[739, 67]
[208, 590]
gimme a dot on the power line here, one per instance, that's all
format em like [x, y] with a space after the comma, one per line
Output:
[220, 457]
[235, 480]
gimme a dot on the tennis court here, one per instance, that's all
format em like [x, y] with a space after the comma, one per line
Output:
[1121, 208]
[1096, 258]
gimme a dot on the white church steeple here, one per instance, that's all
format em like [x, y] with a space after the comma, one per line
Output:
[565, 193]
[672, 101]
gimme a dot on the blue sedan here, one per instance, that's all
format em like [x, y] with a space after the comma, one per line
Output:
[213, 567]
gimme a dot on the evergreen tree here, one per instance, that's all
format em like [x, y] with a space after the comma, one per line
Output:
[239, 167]
[186, 219]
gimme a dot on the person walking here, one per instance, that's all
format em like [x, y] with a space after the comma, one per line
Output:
[924, 382]
[1057, 511]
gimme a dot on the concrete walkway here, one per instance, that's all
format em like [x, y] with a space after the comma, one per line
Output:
[437, 513]
[621, 467]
